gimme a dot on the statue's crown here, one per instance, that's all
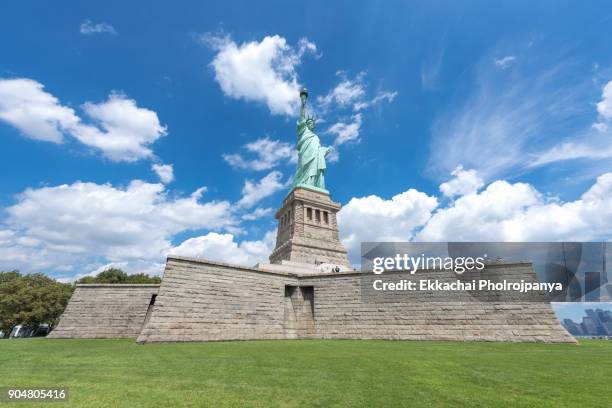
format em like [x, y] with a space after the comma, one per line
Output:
[312, 118]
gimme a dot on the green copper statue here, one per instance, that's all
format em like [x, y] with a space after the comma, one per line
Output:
[310, 171]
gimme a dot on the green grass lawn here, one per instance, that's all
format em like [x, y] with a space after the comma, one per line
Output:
[312, 373]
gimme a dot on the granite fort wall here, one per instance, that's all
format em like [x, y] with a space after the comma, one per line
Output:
[342, 312]
[203, 301]
[105, 311]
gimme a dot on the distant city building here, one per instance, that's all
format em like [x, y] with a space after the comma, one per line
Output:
[574, 328]
[597, 322]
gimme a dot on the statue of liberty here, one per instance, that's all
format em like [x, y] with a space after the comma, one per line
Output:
[310, 171]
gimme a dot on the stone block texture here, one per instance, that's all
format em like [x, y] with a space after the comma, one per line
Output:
[105, 311]
[204, 301]
[342, 312]
[201, 301]
[308, 231]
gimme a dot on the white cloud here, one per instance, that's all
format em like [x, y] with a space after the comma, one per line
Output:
[518, 212]
[504, 62]
[305, 45]
[85, 223]
[478, 216]
[346, 93]
[430, 68]
[600, 126]
[82, 227]
[126, 130]
[512, 122]
[464, 182]
[380, 97]
[37, 114]
[253, 192]
[268, 154]
[351, 93]
[260, 71]
[601, 149]
[222, 247]
[165, 172]
[252, 216]
[503, 211]
[592, 144]
[87, 27]
[504, 122]
[121, 130]
[373, 218]
[346, 132]
[604, 107]
[5, 236]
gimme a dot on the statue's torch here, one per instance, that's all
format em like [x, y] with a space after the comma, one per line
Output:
[303, 97]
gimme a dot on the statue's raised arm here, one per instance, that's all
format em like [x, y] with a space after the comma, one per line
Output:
[303, 99]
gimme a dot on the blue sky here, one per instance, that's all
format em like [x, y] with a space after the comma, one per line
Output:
[130, 131]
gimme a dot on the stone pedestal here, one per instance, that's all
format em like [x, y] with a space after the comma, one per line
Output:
[307, 230]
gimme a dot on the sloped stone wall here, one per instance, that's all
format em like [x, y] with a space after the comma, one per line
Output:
[105, 311]
[341, 312]
[202, 301]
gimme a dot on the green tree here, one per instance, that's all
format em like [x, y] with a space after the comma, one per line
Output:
[7, 276]
[111, 275]
[31, 299]
[115, 275]
[143, 278]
